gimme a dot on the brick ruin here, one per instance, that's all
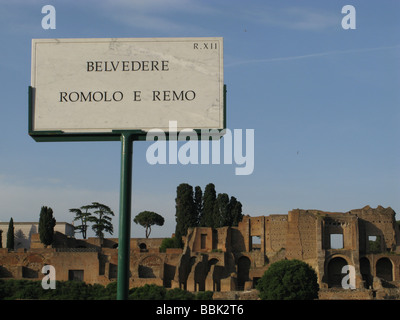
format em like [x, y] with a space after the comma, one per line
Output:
[232, 259]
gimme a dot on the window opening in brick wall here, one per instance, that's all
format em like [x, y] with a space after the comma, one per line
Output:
[384, 269]
[203, 240]
[143, 247]
[337, 241]
[374, 244]
[255, 243]
[75, 275]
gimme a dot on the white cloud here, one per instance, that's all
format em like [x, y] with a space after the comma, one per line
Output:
[299, 18]
[310, 19]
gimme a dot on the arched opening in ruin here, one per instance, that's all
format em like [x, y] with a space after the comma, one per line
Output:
[5, 273]
[143, 247]
[335, 274]
[243, 266]
[384, 269]
[365, 269]
[150, 267]
[32, 266]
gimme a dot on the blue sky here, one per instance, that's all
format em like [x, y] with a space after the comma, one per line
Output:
[323, 101]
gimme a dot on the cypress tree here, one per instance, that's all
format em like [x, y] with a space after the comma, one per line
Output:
[46, 226]
[221, 216]
[185, 210]
[204, 209]
[209, 198]
[198, 203]
[235, 208]
[10, 235]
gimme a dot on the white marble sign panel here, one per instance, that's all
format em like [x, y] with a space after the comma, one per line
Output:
[100, 85]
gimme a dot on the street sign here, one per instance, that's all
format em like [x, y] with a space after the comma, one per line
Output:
[94, 88]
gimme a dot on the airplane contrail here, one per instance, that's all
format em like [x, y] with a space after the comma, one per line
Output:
[306, 56]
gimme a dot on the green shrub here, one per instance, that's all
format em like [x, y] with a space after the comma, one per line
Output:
[13, 289]
[204, 295]
[65, 290]
[111, 291]
[169, 243]
[288, 280]
[179, 294]
[147, 292]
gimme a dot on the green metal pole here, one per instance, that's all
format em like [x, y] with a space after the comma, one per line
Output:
[124, 216]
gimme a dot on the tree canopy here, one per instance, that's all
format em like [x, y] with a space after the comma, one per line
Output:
[10, 235]
[198, 203]
[288, 280]
[219, 210]
[102, 220]
[46, 225]
[82, 214]
[185, 210]
[198, 209]
[169, 243]
[209, 197]
[100, 215]
[147, 219]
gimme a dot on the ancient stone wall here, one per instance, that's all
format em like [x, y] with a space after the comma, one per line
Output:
[203, 239]
[276, 227]
[301, 238]
[377, 222]
[237, 240]
[228, 259]
[340, 294]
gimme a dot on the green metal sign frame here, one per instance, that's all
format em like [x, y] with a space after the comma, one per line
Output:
[126, 137]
